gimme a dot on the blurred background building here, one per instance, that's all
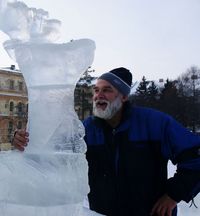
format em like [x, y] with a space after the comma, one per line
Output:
[13, 104]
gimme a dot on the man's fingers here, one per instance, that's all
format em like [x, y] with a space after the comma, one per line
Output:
[22, 133]
[164, 206]
[19, 147]
[20, 139]
[161, 211]
[155, 209]
[169, 212]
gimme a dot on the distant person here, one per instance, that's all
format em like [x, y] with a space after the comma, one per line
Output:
[128, 151]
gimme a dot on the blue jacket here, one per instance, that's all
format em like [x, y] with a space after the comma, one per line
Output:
[128, 164]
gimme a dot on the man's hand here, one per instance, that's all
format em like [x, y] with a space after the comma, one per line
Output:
[20, 139]
[164, 206]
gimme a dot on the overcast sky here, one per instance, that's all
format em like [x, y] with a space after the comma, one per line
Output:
[154, 38]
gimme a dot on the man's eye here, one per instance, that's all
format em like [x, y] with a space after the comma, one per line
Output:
[108, 90]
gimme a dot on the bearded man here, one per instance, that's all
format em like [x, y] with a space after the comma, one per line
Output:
[128, 151]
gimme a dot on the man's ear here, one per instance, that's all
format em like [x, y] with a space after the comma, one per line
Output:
[124, 98]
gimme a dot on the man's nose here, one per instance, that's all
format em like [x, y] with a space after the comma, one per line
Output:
[100, 95]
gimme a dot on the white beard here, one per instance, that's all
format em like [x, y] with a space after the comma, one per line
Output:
[111, 109]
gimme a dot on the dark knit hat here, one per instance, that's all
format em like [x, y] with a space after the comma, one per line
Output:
[120, 78]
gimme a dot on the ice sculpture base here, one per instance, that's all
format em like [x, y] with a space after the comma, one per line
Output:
[43, 179]
[65, 210]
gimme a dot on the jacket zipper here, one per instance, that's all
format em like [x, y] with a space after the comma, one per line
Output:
[116, 147]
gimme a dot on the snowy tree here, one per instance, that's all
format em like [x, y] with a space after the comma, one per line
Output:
[141, 94]
[153, 95]
[83, 94]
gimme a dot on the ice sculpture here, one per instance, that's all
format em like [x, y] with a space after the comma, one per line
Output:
[50, 177]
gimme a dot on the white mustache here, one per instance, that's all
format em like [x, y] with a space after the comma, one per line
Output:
[101, 101]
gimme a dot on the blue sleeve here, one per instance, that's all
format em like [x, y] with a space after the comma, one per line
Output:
[177, 140]
[182, 147]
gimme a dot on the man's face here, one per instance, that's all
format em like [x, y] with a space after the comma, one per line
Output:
[106, 100]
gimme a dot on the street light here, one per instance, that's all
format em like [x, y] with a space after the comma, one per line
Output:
[194, 77]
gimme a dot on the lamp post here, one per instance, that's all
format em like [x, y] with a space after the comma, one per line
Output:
[194, 77]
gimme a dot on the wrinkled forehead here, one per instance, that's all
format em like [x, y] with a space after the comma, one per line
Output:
[101, 84]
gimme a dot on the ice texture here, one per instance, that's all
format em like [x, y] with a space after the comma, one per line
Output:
[22, 23]
[43, 179]
[51, 176]
[51, 72]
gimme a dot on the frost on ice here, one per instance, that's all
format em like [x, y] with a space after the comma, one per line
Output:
[51, 176]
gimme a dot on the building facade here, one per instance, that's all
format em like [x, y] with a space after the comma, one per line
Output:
[13, 105]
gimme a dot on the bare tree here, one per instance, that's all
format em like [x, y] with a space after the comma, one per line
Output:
[188, 85]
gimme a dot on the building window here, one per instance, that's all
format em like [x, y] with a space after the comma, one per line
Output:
[20, 85]
[12, 84]
[11, 106]
[12, 67]
[20, 107]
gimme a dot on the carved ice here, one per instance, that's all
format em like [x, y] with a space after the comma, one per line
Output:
[51, 176]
